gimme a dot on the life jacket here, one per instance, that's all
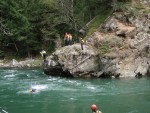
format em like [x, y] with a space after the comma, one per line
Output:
[43, 52]
[97, 111]
[82, 40]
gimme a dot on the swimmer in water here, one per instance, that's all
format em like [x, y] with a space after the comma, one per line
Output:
[33, 90]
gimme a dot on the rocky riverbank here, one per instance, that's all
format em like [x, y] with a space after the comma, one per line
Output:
[27, 63]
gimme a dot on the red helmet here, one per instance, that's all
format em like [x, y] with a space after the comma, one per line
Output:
[94, 107]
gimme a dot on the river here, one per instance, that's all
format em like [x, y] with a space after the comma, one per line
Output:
[70, 95]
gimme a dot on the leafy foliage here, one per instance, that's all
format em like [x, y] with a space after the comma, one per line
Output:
[26, 23]
[88, 9]
[104, 48]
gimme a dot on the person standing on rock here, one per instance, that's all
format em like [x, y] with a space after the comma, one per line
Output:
[81, 42]
[70, 39]
[66, 39]
[94, 109]
[43, 53]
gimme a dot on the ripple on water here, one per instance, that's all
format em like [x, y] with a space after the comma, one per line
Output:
[17, 76]
[9, 76]
[91, 87]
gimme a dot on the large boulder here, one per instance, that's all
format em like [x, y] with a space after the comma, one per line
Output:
[73, 61]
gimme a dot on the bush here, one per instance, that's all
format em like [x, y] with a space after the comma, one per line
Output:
[110, 42]
[104, 48]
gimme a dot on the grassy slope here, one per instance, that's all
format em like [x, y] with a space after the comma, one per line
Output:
[98, 20]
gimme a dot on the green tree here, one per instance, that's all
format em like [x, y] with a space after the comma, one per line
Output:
[25, 24]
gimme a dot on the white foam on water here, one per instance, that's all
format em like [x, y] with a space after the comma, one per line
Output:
[9, 76]
[10, 73]
[72, 99]
[91, 87]
[38, 88]
[28, 75]
[52, 79]
[13, 75]
[34, 70]
[71, 81]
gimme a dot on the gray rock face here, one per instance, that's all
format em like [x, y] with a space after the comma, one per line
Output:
[73, 61]
[132, 60]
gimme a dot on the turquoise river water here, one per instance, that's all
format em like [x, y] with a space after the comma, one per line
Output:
[70, 95]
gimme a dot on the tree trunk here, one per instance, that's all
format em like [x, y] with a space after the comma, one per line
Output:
[114, 5]
[67, 7]
[73, 19]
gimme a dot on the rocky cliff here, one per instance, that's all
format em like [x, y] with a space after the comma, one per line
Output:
[119, 48]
